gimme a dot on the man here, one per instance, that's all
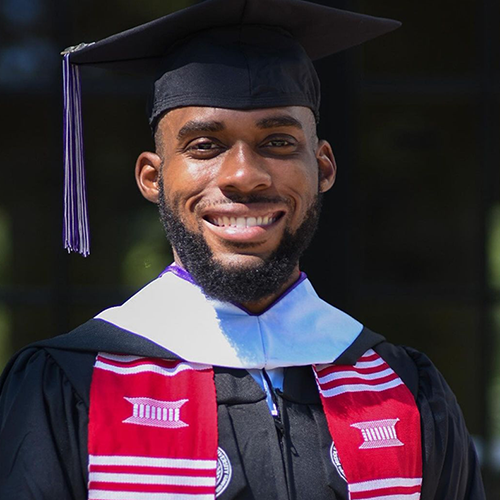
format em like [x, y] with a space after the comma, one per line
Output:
[228, 376]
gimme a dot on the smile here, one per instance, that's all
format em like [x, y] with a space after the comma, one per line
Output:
[241, 222]
[242, 225]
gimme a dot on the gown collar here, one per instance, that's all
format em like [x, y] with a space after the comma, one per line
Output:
[298, 329]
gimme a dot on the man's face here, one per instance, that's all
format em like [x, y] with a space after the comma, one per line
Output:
[241, 180]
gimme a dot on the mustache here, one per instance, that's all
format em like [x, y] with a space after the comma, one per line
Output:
[246, 200]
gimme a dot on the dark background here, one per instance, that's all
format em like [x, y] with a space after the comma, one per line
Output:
[410, 238]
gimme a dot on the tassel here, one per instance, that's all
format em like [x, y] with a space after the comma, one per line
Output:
[76, 234]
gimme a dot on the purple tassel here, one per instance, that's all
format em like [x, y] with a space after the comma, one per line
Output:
[76, 225]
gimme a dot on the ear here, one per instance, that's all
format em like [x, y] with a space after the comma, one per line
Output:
[326, 165]
[147, 172]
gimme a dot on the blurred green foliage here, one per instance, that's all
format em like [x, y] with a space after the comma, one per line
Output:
[494, 251]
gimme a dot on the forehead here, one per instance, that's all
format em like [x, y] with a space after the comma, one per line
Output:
[218, 119]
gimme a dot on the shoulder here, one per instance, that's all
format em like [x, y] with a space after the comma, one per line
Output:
[38, 368]
[43, 366]
[71, 357]
[421, 376]
[418, 373]
[451, 466]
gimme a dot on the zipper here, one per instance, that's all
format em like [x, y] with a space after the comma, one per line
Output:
[276, 413]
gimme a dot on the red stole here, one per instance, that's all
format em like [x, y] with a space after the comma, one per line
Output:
[153, 429]
[375, 425]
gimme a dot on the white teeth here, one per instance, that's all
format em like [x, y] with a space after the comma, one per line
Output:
[243, 221]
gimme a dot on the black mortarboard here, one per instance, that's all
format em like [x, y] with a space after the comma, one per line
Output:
[239, 54]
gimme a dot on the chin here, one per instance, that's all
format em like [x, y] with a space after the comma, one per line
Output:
[241, 261]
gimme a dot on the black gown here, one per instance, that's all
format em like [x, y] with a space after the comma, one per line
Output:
[44, 402]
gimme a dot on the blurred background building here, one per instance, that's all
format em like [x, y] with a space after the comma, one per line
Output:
[410, 239]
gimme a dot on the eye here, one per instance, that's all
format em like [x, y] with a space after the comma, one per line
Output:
[280, 144]
[203, 148]
[204, 145]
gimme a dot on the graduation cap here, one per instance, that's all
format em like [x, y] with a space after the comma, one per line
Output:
[237, 54]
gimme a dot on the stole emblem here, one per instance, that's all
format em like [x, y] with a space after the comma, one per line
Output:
[155, 413]
[378, 433]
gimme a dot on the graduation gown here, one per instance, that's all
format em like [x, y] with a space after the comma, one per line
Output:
[44, 406]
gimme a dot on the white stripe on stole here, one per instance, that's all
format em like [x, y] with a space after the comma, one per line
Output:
[354, 374]
[392, 482]
[151, 368]
[160, 479]
[399, 496]
[369, 364]
[134, 495]
[328, 393]
[172, 463]
[361, 363]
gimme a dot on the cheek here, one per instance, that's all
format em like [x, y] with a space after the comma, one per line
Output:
[184, 184]
[181, 176]
[302, 184]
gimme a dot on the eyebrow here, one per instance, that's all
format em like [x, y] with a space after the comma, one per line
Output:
[279, 121]
[193, 126]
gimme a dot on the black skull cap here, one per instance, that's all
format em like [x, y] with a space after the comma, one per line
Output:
[239, 54]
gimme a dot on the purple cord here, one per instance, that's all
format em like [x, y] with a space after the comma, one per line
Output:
[76, 235]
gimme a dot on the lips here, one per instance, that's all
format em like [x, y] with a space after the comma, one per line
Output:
[242, 225]
[241, 222]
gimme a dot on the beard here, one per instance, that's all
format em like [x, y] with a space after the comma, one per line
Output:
[238, 283]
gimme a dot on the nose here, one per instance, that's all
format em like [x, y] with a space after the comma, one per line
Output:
[243, 170]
